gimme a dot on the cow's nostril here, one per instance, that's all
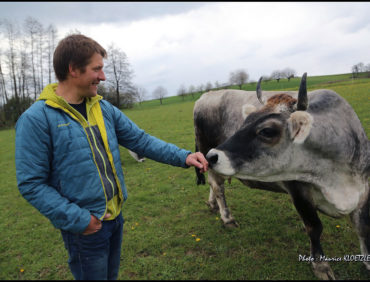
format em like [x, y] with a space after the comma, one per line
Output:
[212, 159]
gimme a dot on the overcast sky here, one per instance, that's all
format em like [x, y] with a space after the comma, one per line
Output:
[192, 43]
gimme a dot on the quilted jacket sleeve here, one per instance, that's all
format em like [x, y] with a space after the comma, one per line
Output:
[137, 140]
[33, 157]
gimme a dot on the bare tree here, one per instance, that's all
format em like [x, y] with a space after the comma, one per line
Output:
[23, 70]
[276, 74]
[3, 92]
[200, 88]
[51, 45]
[12, 33]
[32, 27]
[239, 77]
[355, 71]
[159, 93]
[40, 51]
[107, 91]
[119, 72]
[140, 94]
[209, 86]
[288, 73]
[191, 90]
[22, 65]
[181, 91]
[360, 67]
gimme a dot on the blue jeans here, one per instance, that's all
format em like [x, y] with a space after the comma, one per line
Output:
[95, 256]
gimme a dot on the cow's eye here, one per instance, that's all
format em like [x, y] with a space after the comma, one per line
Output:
[268, 132]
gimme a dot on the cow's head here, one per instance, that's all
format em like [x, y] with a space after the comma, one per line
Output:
[266, 143]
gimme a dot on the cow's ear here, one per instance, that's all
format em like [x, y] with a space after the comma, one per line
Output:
[247, 109]
[300, 123]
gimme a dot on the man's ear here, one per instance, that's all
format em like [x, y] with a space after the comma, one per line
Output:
[72, 71]
[300, 124]
[248, 109]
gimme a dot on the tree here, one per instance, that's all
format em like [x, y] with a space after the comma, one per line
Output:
[119, 73]
[51, 45]
[191, 90]
[209, 86]
[12, 34]
[181, 91]
[276, 74]
[355, 71]
[239, 77]
[3, 92]
[140, 94]
[127, 99]
[25, 53]
[360, 67]
[159, 93]
[200, 88]
[40, 50]
[32, 27]
[288, 73]
[24, 67]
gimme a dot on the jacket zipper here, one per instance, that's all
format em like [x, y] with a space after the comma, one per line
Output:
[105, 165]
[92, 151]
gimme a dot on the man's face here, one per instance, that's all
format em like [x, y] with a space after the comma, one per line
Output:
[87, 82]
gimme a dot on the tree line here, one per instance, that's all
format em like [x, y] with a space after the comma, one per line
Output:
[358, 68]
[25, 64]
[238, 78]
[26, 67]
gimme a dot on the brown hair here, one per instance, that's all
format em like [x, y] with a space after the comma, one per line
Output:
[77, 50]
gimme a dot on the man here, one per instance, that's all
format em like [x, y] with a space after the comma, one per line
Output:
[68, 163]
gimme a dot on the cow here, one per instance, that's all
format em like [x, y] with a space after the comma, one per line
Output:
[311, 146]
[137, 157]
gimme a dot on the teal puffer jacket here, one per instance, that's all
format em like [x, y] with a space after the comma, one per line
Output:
[55, 166]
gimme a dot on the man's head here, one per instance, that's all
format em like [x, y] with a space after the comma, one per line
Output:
[75, 51]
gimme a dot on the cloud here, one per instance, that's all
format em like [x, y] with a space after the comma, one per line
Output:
[92, 12]
[176, 43]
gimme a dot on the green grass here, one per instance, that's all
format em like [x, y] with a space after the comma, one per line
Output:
[165, 208]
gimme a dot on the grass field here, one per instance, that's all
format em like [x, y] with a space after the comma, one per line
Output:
[169, 232]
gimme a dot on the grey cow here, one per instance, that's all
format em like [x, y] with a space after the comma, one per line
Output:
[311, 146]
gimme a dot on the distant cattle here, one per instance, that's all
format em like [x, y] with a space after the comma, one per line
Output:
[311, 146]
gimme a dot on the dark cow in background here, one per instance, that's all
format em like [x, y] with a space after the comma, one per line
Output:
[311, 146]
[137, 157]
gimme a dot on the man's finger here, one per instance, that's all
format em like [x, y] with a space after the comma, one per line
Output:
[198, 160]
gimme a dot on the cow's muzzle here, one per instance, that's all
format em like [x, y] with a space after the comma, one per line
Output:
[219, 162]
[212, 158]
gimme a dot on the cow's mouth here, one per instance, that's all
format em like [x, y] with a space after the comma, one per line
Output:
[219, 162]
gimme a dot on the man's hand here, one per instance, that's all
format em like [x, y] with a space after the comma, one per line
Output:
[198, 160]
[94, 225]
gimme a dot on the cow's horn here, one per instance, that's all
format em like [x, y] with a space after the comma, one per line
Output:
[259, 91]
[302, 103]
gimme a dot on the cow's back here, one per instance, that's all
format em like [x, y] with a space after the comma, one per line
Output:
[337, 132]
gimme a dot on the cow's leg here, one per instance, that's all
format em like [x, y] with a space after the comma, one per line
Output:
[361, 221]
[313, 225]
[212, 202]
[218, 192]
